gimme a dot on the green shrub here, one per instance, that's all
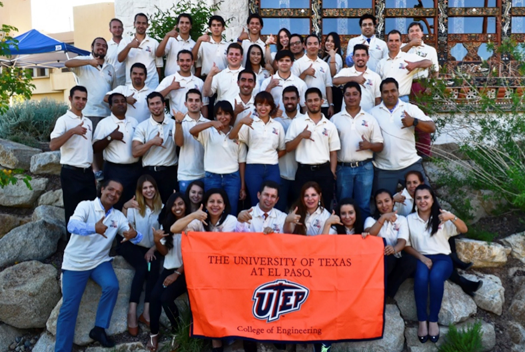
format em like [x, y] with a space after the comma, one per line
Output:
[31, 122]
[464, 340]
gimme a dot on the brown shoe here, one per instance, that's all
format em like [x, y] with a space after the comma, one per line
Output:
[133, 331]
[143, 320]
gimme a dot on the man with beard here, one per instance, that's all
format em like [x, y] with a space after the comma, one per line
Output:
[174, 41]
[99, 77]
[364, 76]
[376, 47]
[113, 137]
[116, 28]
[297, 46]
[141, 48]
[135, 93]
[243, 104]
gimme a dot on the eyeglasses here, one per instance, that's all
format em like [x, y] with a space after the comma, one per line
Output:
[296, 43]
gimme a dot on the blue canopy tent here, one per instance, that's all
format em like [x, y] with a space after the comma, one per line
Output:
[37, 50]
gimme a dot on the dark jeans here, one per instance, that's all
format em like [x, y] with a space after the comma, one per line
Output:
[398, 270]
[256, 174]
[166, 178]
[388, 179]
[165, 298]
[127, 175]
[285, 194]
[320, 174]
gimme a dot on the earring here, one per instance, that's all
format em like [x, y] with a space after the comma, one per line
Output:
[319, 203]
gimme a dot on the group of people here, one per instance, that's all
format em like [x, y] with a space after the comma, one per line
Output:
[236, 137]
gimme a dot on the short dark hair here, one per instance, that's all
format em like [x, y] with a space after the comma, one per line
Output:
[139, 65]
[225, 106]
[235, 46]
[255, 15]
[386, 81]
[416, 173]
[216, 18]
[284, 53]
[112, 96]
[352, 85]
[393, 31]
[291, 89]
[154, 95]
[77, 88]
[193, 91]
[116, 19]
[94, 40]
[187, 15]
[297, 35]
[269, 184]
[265, 97]
[361, 47]
[105, 183]
[367, 16]
[140, 14]
[246, 71]
[313, 90]
[312, 36]
[184, 51]
[415, 24]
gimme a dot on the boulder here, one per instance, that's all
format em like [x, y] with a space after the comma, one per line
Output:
[53, 215]
[517, 307]
[28, 292]
[18, 195]
[517, 274]
[482, 254]
[15, 155]
[491, 296]
[46, 163]
[46, 343]
[8, 334]
[516, 332]
[517, 243]
[456, 306]
[53, 198]
[32, 241]
[122, 347]
[7, 223]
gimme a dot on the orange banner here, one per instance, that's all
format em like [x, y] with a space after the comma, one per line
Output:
[285, 287]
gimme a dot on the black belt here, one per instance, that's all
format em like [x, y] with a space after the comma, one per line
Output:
[132, 165]
[315, 167]
[160, 168]
[354, 163]
[69, 167]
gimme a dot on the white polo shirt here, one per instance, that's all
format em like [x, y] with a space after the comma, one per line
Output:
[322, 77]
[263, 140]
[424, 243]
[396, 68]
[77, 151]
[116, 151]
[287, 163]
[97, 82]
[399, 150]
[261, 76]
[157, 156]
[222, 155]
[173, 46]
[143, 224]
[177, 97]
[225, 85]
[173, 259]
[249, 108]
[140, 112]
[277, 91]
[111, 58]
[338, 62]
[191, 157]
[405, 209]
[315, 222]
[246, 43]
[145, 54]
[275, 220]
[377, 49]
[427, 52]
[227, 226]
[369, 90]
[351, 130]
[325, 140]
[392, 231]
[212, 52]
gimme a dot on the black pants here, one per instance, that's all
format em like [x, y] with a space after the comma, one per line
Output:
[134, 255]
[397, 271]
[165, 298]
[166, 178]
[77, 185]
[320, 174]
[127, 174]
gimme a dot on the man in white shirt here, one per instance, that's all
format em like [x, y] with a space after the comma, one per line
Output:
[135, 93]
[397, 120]
[191, 157]
[316, 142]
[244, 105]
[210, 50]
[315, 72]
[376, 47]
[116, 28]
[297, 46]
[253, 36]
[154, 142]
[73, 135]
[175, 87]
[93, 226]
[174, 41]
[141, 48]
[360, 137]
[113, 137]
[360, 73]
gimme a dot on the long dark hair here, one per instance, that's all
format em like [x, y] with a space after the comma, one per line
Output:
[279, 45]
[433, 221]
[227, 206]
[167, 218]
[198, 183]
[337, 43]
[301, 207]
[248, 65]
[377, 214]
[358, 225]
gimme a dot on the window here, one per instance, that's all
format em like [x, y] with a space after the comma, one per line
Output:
[39, 72]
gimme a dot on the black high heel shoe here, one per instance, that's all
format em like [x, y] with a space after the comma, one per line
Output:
[434, 339]
[423, 339]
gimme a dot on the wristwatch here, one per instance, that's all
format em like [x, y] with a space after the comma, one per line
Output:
[108, 138]
[416, 121]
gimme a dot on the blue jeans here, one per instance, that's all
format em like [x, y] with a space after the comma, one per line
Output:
[256, 174]
[230, 183]
[183, 185]
[389, 179]
[284, 194]
[356, 183]
[73, 285]
[435, 278]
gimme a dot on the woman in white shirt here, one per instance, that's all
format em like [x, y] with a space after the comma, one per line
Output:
[310, 211]
[256, 63]
[345, 220]
[405, 199]
[282, 42]
[430, 228]
[142, 212]
[194, 194]
[333, 57]
[393, 228]
[171, 283]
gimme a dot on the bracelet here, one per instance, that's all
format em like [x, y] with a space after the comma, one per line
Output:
[178, 273]
[332, 62]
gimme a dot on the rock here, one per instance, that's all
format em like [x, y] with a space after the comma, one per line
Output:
[15, 155]
[54, 198]
[7, 223]
[28, 292]
[8, 334]
[491, 296]
[517, 307]
[46, 343]
[122, 347]
[32, 241]
[456, 306]
[482, 254]
[53, 215]
[46, 163]
[516, 332]
[517, 274]
[19, 195]
[517, 243]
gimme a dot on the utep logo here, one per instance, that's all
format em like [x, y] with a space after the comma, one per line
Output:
[325, 132]
[274, 131]
[402, 66]
[273, 299]
[364, 123]
[148, 49]
[369, 82]
[113, 224]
